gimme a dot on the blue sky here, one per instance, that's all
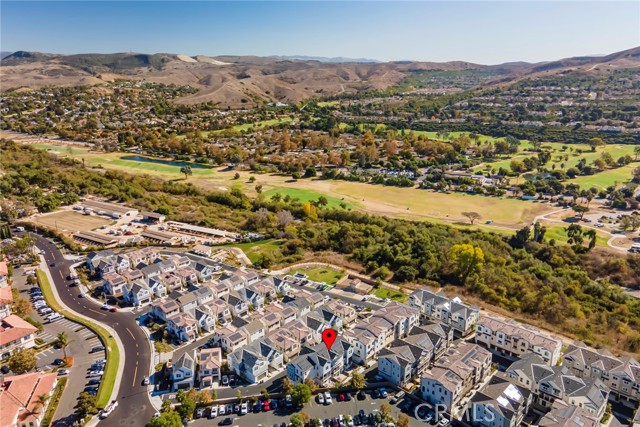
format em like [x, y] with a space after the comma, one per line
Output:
[477, 31]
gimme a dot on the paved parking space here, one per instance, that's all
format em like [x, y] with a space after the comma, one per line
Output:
[314, 410]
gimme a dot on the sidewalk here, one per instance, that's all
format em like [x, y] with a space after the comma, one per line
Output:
[116, 388]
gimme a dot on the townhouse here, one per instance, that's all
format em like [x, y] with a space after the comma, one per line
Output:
[500, 402]
[4, 274]
[453, 312]
[163, 309]
[137, 294]
[182, 373]
[551, 383]
[209, 367]
[515, 339]
[230, 338]
[411, 356]
[182, 326]
[113, 284]
[564, 415]
[455, 374]
[620, 374]
[6, 299]
[257, 361]
[321, 364]
[15, 333]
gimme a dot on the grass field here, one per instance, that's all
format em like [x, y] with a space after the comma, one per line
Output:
[321, 274]
[71, 221]
[113, 353]
[61, 148]
[248, 126]
[254, 250]
[559, 234]
[391, 294]
[408, 203]
[606, 178]
[305, 195]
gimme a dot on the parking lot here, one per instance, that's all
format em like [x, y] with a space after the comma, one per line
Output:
[81, 341]
[317, 410]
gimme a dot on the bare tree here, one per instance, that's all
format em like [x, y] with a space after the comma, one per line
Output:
[284, 218]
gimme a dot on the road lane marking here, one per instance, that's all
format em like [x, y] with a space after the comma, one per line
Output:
[61, 276]
[131, 333]
[135, 372]
[95, 311]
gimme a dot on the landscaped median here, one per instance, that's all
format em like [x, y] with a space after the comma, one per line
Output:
[113, 353]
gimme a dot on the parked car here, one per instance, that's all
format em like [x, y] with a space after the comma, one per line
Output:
[62, 372]
[222, 410]
[225, 380]
[383, 393]
[58, 362]
[244, 408]
[199, 413]
[226, 422]
[5, 369]
[94, 382]
[105, 307]
[320, 398]
[397, 397]
[288, 401]
[93, 374]
[361, 395]
[97, 349]
[266, 406]
[375, 393]
[145, 381]
[113, 309]
[327, 398]
[213, 412]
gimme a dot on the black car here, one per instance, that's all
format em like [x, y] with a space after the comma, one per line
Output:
[347, 397]
[53, 264]
[58, 362]
[94, 381]
[5, 369]
[226, 422]
[326, 422]
[362, 413]
[375, 393]
[361, 395]
[372, 419]
[356, 420]
[97, 349]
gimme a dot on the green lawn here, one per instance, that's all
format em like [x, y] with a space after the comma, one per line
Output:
[559, 234]
[113, 353]
[391, 294]
[321, 274]
[606, 178]
[253, 250]
[61, 148]
[248, 126]
[149, 167]
[307, 195]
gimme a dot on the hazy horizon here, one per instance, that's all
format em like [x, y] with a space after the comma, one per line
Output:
[481, 32]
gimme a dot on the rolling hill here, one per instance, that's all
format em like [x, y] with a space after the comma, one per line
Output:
[236, 81]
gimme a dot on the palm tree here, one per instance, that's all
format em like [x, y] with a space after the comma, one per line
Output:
[63, 341]
[41, 400]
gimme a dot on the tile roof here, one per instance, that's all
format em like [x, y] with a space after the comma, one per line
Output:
[19, 395]
[13, 328]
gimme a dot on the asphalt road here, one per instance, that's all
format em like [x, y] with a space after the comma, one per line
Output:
[134, 407]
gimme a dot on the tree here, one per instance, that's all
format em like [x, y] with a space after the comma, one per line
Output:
[466, 259]
[284, 218]
[258, 188]
[22, 361]
[287, 385]
[167, 419]
[86, 405]
[300, 394]
[636, 151]
[574, 234]
[385, 410]
[357, 381]
[581, 210]
[41, 400]
[239, 395]
[311, 384]
[186, 171]
[265, 393]
[403, 421]
[322, 201]
[166, 406]
[62, 341]
[296, 420]
[472, 216]
[186, 408]
[595, 142]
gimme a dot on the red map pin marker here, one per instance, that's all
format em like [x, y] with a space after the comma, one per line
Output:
[329, 336]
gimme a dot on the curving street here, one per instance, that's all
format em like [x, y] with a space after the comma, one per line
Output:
[134, 407]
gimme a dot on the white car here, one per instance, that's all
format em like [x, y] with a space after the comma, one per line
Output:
[225, 380]
[321, 398]
[222, 410]
[45, 310]
[214, 412]
[94, 374]
[327, 398]
[55, 316]
[145, 381]
[599, 224]
[244, 408]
